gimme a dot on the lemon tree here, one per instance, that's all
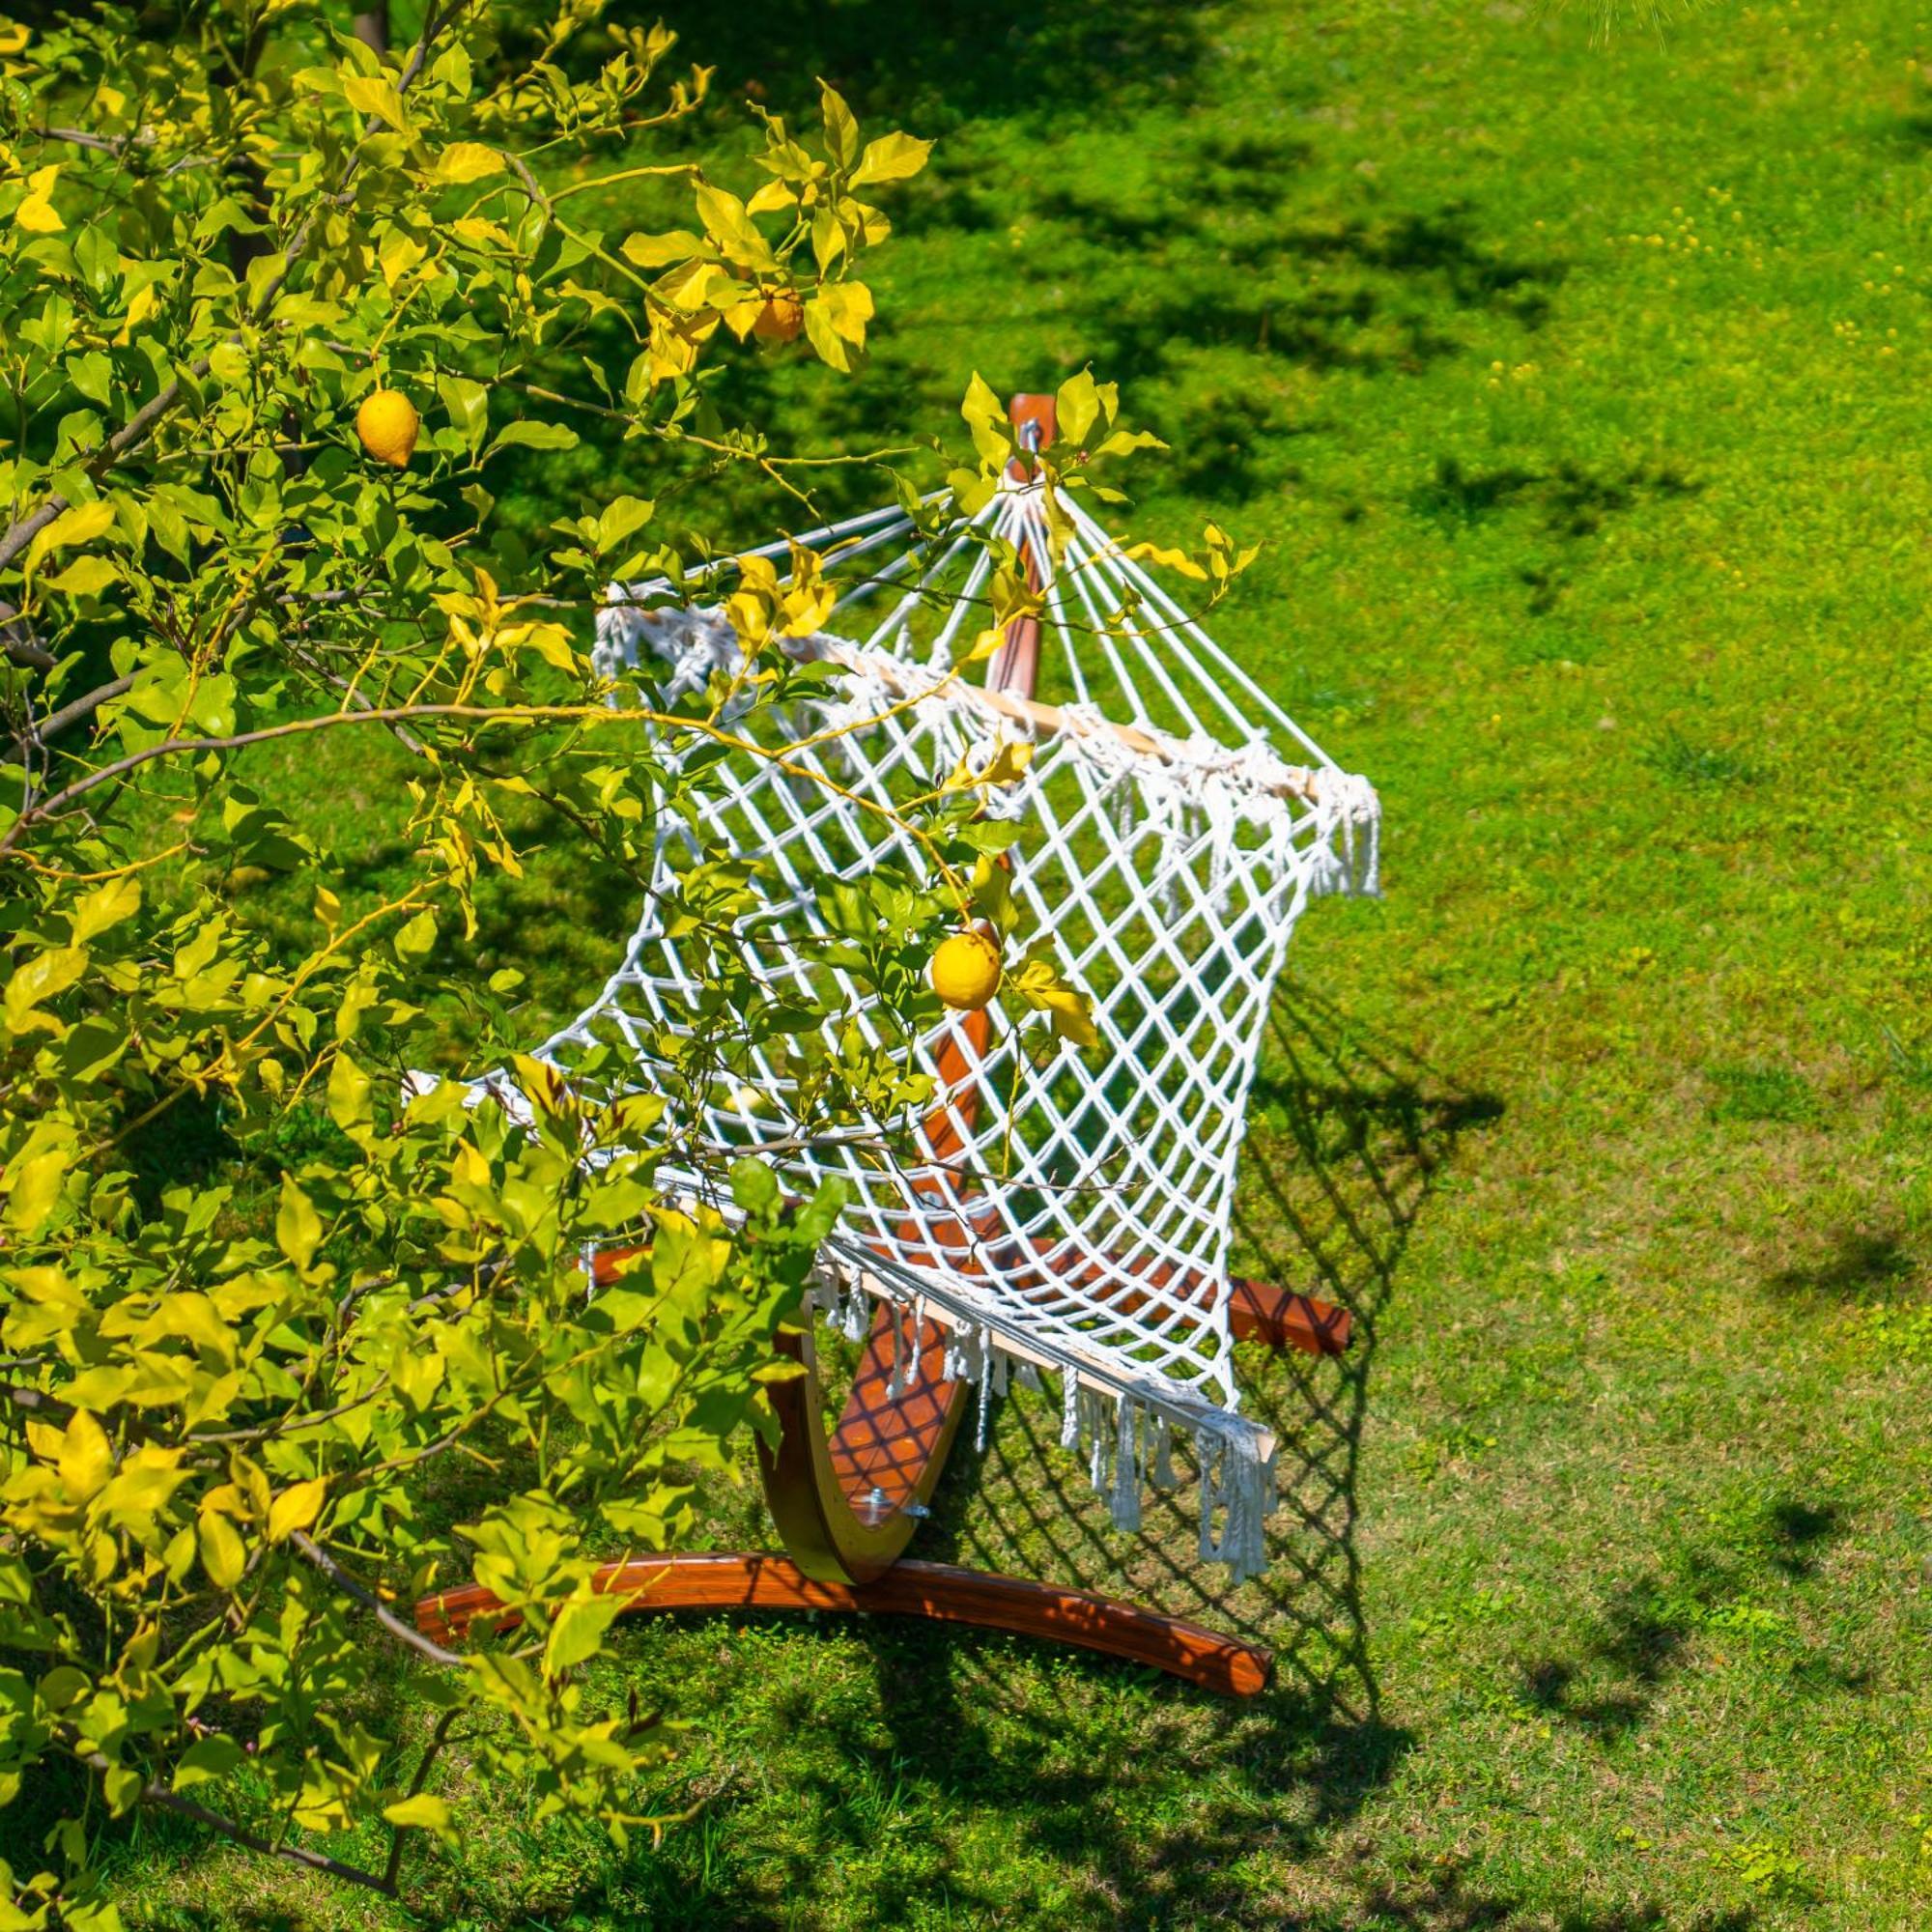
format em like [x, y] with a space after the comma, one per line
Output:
[281, 315]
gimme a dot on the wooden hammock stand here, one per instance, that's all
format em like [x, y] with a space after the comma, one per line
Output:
[847, 1505]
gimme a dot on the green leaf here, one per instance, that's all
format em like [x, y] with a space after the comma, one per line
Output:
[622, 517]
[577, 1631]
[348, 1092]
[531, 434]
[416, 938]
[297, 1226]
[754, 1187]
[466, 404]
[205, 1760]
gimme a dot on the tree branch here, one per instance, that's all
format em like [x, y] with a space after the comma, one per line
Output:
[431, 1752]
[20, 644]
[319, 1559]
[72, 714]
[32, 1400]
[155, 1792]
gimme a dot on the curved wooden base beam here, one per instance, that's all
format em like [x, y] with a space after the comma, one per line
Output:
[1260, 1311]
[909, 1588]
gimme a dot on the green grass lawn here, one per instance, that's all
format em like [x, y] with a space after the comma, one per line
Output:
[1578, 396]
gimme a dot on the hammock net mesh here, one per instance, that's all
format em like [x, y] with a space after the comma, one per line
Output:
[1060, 1206]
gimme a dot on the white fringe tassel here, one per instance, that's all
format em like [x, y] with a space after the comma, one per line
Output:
[1127, 1452]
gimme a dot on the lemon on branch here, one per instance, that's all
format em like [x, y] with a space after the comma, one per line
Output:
[966, 971]
[388, 424]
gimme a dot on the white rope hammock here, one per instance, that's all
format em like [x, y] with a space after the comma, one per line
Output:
[1058, 1207]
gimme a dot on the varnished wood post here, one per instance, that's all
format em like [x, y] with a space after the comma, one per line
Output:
[1015, 665]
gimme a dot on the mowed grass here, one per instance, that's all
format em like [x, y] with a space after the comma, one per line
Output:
[1577, 394]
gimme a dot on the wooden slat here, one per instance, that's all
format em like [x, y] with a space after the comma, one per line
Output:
[909, 1588]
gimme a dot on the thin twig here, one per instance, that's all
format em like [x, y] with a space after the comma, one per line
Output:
[319, 1558]
[431, 1752]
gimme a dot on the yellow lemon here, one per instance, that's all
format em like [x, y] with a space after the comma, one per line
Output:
[781, 317]
[388, 424]
[966, 971]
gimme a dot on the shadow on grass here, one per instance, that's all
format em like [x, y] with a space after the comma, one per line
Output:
[1211, 284]
[1859, 1263]
[1346, 1136]
[1639, 1634]
[944, 62]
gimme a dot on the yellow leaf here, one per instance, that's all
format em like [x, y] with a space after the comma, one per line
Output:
[733, 229]
[80, 525]
[368, 94]
[222, 1555]
[36, 215]
[848, 305]
[773, 197]
[841, 130]
[45, 976]
[993, 893]
[660, 251]
[348, 1089]
[891, 158]
[423, 1811]
[1006, 764]
[1168, 559]
[474, 229]
[1045, 992]
[104, 906]
[34, 1189]
[85, 1458]
[85, 576]
[992, 432]
[1076, 408]
[468, 161]
[295, 1509]
[835, 322]
[398, 255]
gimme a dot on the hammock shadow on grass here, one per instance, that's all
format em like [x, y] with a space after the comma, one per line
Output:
[1346, 1136]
